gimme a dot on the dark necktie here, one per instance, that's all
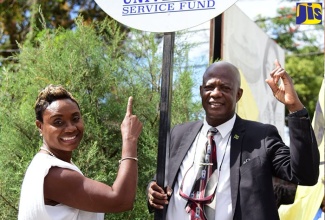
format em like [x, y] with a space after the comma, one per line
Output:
[203, 190]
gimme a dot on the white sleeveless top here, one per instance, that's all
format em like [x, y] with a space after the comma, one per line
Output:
[31, 205]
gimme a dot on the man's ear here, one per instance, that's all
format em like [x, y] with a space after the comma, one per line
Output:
[39, 125]
[239, 94]
[201, 90]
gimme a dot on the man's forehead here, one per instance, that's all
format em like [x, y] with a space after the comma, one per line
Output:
[217, 80]
[222, 74]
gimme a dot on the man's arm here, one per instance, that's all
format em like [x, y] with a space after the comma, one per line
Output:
[304, 151]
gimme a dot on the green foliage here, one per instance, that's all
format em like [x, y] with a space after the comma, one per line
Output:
[307, 74]
[20, 19]
[101, 66]
[142, 80]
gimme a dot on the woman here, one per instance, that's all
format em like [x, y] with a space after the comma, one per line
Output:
[53, 187]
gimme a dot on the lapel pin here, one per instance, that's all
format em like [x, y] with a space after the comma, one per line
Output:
[236, 136]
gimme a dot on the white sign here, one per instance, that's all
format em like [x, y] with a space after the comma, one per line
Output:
[250, 49]
[163, 15]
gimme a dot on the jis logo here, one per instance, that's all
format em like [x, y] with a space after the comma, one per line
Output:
[309, 13]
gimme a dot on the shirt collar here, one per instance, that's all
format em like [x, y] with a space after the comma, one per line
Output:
[223, 129]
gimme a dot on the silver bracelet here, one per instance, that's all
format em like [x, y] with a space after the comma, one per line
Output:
[127, 158]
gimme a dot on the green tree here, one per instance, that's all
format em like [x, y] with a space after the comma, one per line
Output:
[143, 76]
[101, 67]
[304, 52]
[20, 18]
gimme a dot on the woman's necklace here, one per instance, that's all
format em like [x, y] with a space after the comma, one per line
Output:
[48, 151]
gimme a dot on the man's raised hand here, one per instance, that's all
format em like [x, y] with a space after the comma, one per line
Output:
[283, 89]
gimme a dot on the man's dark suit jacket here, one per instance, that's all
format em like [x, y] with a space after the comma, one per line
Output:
[257, 153]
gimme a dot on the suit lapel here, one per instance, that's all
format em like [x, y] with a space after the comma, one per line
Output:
[186, 142]
[237, 136]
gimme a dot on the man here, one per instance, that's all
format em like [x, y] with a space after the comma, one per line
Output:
[248, 153]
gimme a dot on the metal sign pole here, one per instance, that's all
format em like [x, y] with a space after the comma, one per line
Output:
[165, 112]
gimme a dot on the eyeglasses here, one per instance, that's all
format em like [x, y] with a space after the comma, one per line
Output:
[195, 198]
[208, 166]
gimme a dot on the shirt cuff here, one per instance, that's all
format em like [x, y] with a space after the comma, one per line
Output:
[303, 113]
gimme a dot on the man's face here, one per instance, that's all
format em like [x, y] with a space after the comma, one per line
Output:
[219, 93]
[62, 125]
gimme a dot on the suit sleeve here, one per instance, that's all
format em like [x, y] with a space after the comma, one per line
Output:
[298, 163]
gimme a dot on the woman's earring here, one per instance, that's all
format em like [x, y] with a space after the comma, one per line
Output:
[41, 134]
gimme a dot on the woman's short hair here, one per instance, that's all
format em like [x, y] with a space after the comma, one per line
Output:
[48, 95]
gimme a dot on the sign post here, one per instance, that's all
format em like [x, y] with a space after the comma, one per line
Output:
[165, 16]
[165, 105]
